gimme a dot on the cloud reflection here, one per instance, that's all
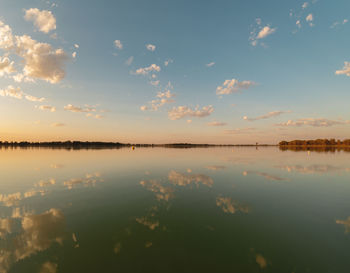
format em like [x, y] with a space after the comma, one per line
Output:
[231, 206]
[346, 224]
[266, 175]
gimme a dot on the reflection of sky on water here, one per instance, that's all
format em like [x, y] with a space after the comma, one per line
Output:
[150, 196]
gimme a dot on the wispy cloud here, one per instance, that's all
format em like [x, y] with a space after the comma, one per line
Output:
[216, 123]
[17, 93]
[337, 23]
[118, 44]
[162, 98]
[47, 108]
[266, 116]
[233, 86]
[43, 20]
[345, 70]
[210, 64]
[129, 60]
[168, 61]
[185, 111]
[314, 122]
[310, 18]
[58, 124]
[145, 70]
[240, 131]
[259, 32]
[151, 47]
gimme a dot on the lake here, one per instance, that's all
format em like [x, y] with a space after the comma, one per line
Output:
[226, 209]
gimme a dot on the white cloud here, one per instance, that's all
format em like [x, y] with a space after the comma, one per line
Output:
[167, 62]
[216, 123]
[345, 70]
[16, 92]
[314, 122]
[151, 47]
[266, 116]
[74, 54]
[265, 31]
[233, 86]
[76, 45]
[58, 124]
[13, 92]
[6, 66]
[146, 70]
[185, 111]
[260, 32]
[129, 60]
[40, 59]
[210, 64]
[34, 99]
[154, 83]
[118, 44]
[42, 19]
[162, 98]
[309, 17]
[305, 5]
[77, 109]
[240, 131]
[47, 108]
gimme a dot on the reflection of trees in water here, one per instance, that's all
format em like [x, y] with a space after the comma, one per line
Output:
[319, 149]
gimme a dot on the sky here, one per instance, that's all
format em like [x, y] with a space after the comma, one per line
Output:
[161, 71]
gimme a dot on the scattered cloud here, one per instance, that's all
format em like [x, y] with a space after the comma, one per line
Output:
[76, 45]
[310, 18]
[43, 20]
[58, 124]
[216, 123]
[259, 32]
[185, 111]
[47, 108]
[233, 86]
[118, 44]
[305, 5]
[129, 61]
[210, 64]
[266, 116]
[162, 98]
[146, 70]
[168, 61]
[88, 180]
[41, 61]
[11, 91]
[6, 66]
[345, 70]
[240, 131]
[337, 23]
[314, 122]
[151, 47]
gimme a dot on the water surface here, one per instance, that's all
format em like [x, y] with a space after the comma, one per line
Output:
[174, 210]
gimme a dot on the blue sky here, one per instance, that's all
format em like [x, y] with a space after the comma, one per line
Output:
[280, 57]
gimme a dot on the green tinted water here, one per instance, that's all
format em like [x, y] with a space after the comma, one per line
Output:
[174, 210]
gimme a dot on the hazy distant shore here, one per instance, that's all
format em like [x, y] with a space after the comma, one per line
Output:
[115, 145]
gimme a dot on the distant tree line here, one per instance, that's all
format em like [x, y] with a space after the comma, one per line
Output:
[316, 142]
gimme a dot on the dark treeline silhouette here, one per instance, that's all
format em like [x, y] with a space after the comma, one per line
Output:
[317, 145]
[316, 142]
[76, 145]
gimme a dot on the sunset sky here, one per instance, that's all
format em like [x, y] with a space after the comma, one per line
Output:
[160, 71]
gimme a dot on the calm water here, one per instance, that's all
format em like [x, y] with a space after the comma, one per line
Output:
[174, 210]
